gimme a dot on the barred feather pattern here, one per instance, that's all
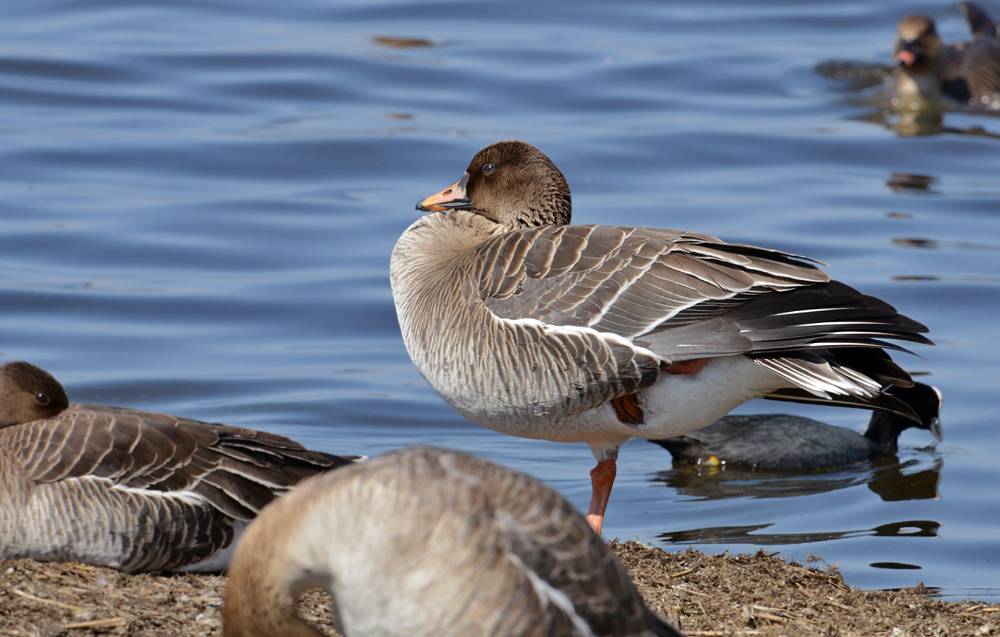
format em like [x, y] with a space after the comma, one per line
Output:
[980, 59]
[500, 554]
[523, 330]
[557, 371]
[136, 490]
[980, 64]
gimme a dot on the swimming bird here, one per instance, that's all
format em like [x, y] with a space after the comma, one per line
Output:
[929, 69]
[428, 542]
[130, 489]
[782, 441]
[537, 328]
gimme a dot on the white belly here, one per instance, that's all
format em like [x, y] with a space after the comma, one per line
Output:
[679, 404]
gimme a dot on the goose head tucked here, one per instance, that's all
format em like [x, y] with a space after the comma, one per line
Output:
[28, 393]
[510, 183]
[919, 55]
[500, 554]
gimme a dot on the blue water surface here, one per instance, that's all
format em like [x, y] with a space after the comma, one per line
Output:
[199, 200]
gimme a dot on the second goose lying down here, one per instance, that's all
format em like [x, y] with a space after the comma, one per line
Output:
[428, 542]
[781, 441]
[130, 489]
[597, 334]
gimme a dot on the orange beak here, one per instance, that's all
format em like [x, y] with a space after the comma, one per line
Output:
[905, 58]
[451, 198]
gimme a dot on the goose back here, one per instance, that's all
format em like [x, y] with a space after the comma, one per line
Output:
[138, 490]
[434, 542]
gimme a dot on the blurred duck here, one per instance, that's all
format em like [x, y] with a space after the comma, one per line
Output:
[130, 489]
[429, 542]
[929, 69]
[781, 441]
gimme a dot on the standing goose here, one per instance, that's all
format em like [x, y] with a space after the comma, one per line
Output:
[598, 334]
[129, 489]
[427, 542]
[929, 69]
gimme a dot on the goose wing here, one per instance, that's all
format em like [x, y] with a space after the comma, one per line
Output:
[237, 471]
[549, 546]
[981, 68]
[980, 22]
[680, 294]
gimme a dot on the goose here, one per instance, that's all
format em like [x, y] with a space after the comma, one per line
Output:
[782, 441]
[133, 490]
[430, 542]
[537, 328]
[929, 69]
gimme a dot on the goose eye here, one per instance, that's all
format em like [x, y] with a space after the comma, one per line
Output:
[489, 169]
[42, 399]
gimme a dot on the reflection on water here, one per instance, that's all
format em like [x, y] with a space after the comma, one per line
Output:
[199, 223]
[393, 42]
[895, 482]
[748, 534]
[855, 76]
[922, 122]
[885, 476]
[933, 244]
[914, 242]
[871, 86]
[919, 123]
[901, 566]
[913, 121]
[908, 181]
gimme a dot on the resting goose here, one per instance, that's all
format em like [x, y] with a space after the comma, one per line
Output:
[130, 489]
[928, 69]
[427, 542]
[782, 441]
[597, 334]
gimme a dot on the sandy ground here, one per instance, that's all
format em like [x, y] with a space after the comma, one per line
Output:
[745, 595]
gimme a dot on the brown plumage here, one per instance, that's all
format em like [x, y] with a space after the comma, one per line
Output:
[428, 542]
[628, 409]
[536, 327]
[135, 490]
[929, 69]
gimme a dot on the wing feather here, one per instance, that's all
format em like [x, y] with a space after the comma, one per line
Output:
[628, 281]
[158, 453]
[682, 296]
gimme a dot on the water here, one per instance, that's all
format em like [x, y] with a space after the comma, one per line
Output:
[199, 200]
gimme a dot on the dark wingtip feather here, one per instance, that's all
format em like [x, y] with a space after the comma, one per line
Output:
[239, 471]
[883, 402]
[831, 315]
[778, 256]
[875, 364]
[980, 22]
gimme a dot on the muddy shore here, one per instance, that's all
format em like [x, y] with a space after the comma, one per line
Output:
[742, 595]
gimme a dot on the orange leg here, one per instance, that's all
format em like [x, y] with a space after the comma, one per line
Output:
[602, 477]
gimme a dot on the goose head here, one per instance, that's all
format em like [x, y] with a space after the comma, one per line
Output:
[28, 393]
[511, 183]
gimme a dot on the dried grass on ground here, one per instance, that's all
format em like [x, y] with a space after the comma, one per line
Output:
[707, 596]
